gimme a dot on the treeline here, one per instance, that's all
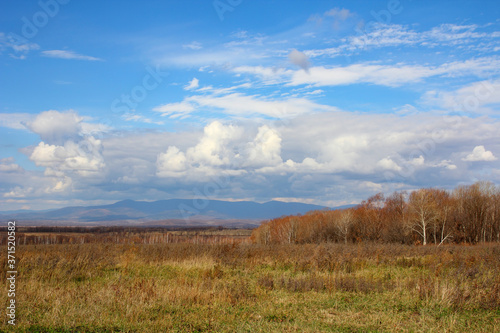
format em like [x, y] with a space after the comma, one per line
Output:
[468, 214]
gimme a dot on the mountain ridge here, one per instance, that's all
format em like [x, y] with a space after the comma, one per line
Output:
[170, 209]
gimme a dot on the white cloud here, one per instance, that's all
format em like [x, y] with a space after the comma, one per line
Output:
[265, 150]
[339, 13]
[193, 46]
[479, 153]
[447, 164]
[473, 98]
[8, 165]
[64, 54]
[386, 75]
[56, 127]
[193, 84]
[241, 105]
[19, 45]
[369, 147]
[18, 192]
[270, 75]
[332, 18]
[175, 109]
[384, 35]
[213, 148]
[388, 164]
[314, 155]
[83, 157]
[15, 120]
[68, 151]
[172, 163]
[139, 118]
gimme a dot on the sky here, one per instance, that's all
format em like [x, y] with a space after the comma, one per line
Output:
[324, 102]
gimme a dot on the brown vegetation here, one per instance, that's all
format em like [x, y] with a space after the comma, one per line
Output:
[122, 235]
[181, 287]
[469, 214]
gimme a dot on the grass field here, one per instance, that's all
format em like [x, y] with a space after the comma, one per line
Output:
[252, 288]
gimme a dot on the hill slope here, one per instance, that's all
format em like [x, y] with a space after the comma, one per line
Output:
[178, 209]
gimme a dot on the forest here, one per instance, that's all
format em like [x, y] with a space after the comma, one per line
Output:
[468, 214]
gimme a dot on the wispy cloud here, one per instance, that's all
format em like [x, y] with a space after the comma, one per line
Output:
[15, 120]
[193, 46]
[385, 75]
[241, 105]
[64, 54]
[20, 46]
[138, 118]
[385, 35]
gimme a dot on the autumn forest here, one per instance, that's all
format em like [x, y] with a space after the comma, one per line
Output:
[468, 214]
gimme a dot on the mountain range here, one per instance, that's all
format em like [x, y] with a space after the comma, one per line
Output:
[173, 212]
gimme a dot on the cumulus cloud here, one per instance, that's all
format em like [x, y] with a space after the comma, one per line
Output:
[56, 127]
[83, 157]
[479, 153]
[213, 146]
[313, 155]
[68, 148]
[223, 146]
[388, 164]
[215, 149]
[329, 143]
[265, 149]
[300, 59]
[172, 163]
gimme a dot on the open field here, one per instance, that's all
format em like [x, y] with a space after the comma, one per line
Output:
[242, 287]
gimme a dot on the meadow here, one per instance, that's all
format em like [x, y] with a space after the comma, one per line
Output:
[139, 286]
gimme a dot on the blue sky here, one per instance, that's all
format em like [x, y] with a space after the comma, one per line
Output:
[324, 102]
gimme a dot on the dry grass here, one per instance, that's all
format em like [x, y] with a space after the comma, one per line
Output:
[252, 288]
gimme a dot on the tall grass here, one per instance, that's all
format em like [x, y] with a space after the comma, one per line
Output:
[182, 287]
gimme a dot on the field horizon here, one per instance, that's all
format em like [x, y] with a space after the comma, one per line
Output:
[218, 280]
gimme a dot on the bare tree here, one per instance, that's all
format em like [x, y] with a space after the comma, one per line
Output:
[443, 205]
[343, 224]
[423, 208]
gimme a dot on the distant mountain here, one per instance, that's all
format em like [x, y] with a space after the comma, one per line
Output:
[184, 211]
